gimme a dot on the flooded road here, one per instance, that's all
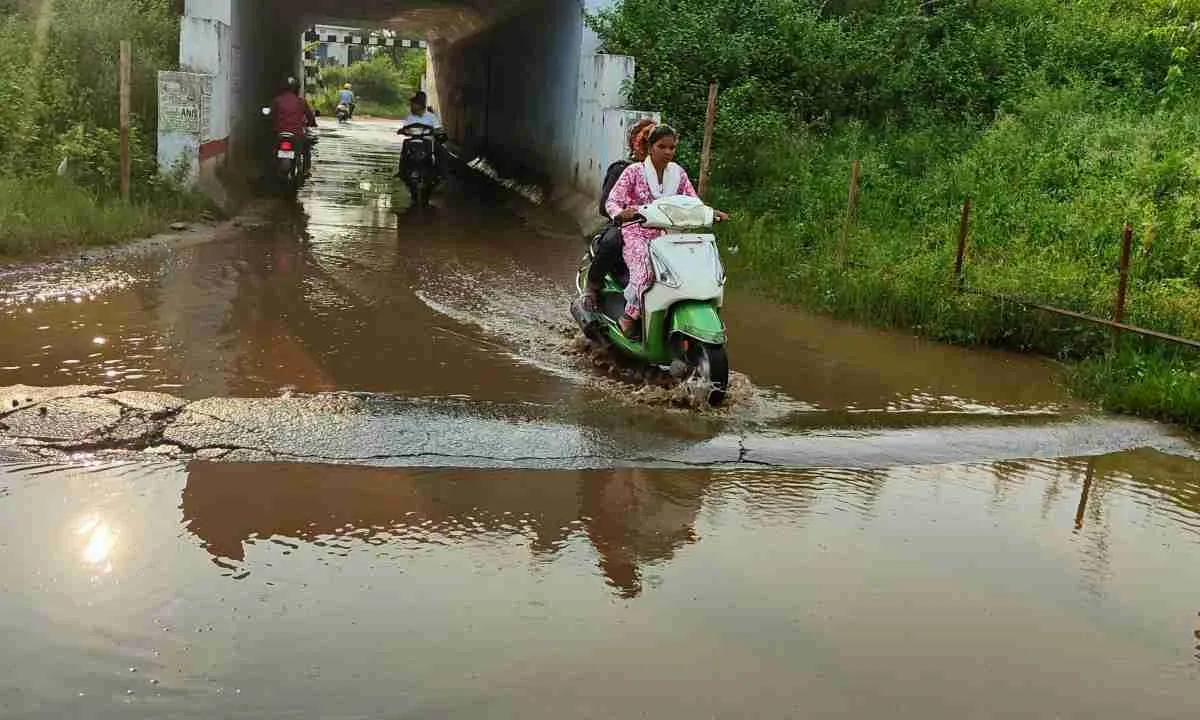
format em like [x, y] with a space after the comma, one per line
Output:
[352, 290]
[507, 524]
[1062, 588]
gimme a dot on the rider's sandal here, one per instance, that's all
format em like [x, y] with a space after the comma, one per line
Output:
[634, 332]
[591, 300]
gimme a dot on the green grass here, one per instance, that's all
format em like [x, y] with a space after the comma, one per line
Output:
[382, 110]
[326, 102]
[45, 216]
[1147, 382]
[1052, 181]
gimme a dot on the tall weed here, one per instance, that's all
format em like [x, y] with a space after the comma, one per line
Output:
[61, 102]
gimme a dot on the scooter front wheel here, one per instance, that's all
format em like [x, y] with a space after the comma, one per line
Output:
[585, 264]
[419, 194]
[710, 366]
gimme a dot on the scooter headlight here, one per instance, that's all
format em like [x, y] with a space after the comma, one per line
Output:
[664, 273]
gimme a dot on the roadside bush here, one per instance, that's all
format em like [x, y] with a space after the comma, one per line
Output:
[412, 69]
[75, 80]
[381, 87]
[1155, 382]
[802, 62]
[44, 215]
[377, 79]
[93, 165]
[60, 95]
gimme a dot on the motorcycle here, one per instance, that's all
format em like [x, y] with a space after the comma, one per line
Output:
[291, 156]
[681, 326]
[343, 113]
[419, 168]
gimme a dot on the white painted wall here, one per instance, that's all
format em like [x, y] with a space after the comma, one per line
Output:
[602, 123]
[337, 51]
[219, 10]
[242, 51]
[206, 46]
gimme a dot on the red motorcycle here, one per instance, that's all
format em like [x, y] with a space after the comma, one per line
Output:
[291, 157]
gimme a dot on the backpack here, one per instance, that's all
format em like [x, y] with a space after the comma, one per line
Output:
[611, 176]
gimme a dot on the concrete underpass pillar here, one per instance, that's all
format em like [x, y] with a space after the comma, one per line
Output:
[201, 103]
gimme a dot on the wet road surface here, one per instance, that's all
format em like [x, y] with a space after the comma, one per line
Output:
[1061, 588]
[875, 525]
[355, 291]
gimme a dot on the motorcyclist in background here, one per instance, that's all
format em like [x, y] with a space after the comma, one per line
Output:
[291, 114]
[421, 114]
[346, 97]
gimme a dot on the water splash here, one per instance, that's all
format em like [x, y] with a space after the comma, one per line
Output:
[528, 324]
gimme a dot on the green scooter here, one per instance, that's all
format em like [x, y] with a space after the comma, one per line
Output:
[681, 319]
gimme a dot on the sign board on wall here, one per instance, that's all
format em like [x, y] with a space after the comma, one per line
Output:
[183, 100]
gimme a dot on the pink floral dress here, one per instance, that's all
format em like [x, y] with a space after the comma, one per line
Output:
[632, 190]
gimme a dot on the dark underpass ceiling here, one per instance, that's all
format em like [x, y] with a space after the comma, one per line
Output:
[433, 19]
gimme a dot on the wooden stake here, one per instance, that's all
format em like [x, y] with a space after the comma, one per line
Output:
[1123, 279]
[851, 209]
[710, 120]
[964, 224]
[126, 62]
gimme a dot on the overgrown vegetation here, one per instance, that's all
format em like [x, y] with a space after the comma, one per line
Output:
[60, 96]
[382, 86]
[1062, 120]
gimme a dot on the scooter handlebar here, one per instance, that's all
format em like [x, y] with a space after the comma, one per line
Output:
[431, 130]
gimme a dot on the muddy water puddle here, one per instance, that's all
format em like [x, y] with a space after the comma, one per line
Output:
[1046, 588]
[1060, 588]
[353, 290]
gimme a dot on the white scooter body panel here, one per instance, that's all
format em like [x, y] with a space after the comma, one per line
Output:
[690, 261]
[687, 266]
[677, 212]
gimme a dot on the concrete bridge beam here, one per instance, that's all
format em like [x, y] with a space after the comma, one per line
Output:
[517, 80]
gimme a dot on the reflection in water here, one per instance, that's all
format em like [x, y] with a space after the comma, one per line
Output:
[632, 518]
[100, 539]
[1085, 490]
[345, 591]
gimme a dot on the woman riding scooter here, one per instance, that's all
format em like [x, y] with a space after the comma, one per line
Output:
[640, 184]
[609, 244]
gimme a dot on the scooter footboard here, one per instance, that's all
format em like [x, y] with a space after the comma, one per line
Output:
[699, 320]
